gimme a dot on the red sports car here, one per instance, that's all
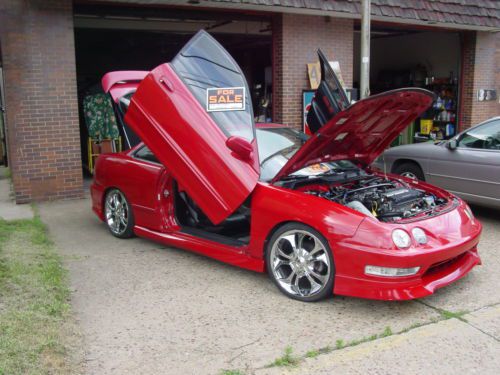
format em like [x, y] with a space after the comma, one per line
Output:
[264, 197]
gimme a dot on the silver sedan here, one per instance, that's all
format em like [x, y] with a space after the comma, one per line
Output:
[467, 165]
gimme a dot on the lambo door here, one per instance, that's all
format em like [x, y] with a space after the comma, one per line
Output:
[472, 170]
[329, 98]
[196, 116]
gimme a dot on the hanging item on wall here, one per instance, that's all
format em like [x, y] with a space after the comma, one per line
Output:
[314, 73]
[307, 97]
[484, 95]
[336, 69]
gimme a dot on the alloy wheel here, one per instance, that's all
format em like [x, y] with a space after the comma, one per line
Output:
[117, 212]
[300, 263]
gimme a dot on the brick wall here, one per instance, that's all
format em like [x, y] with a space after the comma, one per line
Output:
[486, 75]
[480, 70]
[296, 39]
[43, 137]
[468, 46]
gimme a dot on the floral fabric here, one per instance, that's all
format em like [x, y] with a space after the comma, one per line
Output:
[100, 117]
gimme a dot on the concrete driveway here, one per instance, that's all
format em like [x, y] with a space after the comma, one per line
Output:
[147, 309]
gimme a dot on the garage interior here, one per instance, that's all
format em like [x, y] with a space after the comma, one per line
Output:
[109, 38]
[403, 57]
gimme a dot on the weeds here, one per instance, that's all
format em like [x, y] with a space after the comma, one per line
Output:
[288, 359]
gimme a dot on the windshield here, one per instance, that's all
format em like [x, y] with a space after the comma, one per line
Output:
[276, 146]
[218, 84]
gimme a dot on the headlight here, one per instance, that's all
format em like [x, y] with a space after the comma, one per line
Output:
[419, 235]
[468, 212]
[390, 272]
[401, 239]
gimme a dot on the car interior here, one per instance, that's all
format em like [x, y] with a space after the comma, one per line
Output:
[235, 230]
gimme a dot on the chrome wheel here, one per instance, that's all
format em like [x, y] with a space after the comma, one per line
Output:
[300, 263]
[116, 212]
[409, 175]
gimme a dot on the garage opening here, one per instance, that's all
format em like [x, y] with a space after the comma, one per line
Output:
[403, 57]
[110, 38]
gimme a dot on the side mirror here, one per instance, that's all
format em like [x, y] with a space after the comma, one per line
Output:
[240, 146]
[452, 144]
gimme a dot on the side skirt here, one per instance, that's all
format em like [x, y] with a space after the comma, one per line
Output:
[224, 253]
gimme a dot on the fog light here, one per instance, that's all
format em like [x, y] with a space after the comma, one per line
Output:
[419, 235]
[390, 272]
[401, 239]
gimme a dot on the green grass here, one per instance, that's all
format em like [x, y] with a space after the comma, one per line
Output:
[33, 301]
[445, 314]
[231, 372]
[286, 360]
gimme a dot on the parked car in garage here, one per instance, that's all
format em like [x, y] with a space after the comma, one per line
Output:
[467, 165]
[259, 196]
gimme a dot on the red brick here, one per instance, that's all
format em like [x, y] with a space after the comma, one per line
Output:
[40, 93]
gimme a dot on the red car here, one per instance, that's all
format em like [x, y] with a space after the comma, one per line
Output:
[264, 197]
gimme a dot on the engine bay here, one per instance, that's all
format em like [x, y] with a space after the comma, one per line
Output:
[386, 199]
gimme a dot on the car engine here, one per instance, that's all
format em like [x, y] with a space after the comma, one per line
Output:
[380, 197]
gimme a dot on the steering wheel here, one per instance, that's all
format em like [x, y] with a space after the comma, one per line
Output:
[491, 143]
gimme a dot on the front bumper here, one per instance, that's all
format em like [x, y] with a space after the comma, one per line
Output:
[449, 258]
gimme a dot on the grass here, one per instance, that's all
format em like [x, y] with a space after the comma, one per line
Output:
[286, 360]
[33, 301]
[445, 314]
[231, 372]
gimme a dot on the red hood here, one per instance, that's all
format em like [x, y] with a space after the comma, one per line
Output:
[362, 131]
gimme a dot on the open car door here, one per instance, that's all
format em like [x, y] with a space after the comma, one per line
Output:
[196, 115]
[329, 98]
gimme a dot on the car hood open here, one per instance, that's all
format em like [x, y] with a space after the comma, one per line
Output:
[362, 131]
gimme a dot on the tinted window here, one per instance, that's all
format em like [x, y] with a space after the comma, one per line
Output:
[146, 154]
[334, 87]
[486, 137]
[203, 64]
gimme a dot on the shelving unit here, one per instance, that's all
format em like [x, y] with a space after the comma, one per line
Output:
[440, 121]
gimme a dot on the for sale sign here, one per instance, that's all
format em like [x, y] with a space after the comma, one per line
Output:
[226, 99]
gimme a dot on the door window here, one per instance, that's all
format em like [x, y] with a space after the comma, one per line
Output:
[205, 66]
[329, 98]
[486, 137]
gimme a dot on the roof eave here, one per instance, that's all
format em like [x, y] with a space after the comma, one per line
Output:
[318, 12]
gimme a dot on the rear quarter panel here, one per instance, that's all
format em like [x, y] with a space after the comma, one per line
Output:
[139, 182]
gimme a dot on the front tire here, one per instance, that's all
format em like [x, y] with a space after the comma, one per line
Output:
[410, 170]
[118, 214]
[300, 263]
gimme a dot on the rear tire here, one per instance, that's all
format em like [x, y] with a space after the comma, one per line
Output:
[410, 170]
[118, 214]
[300, 263]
